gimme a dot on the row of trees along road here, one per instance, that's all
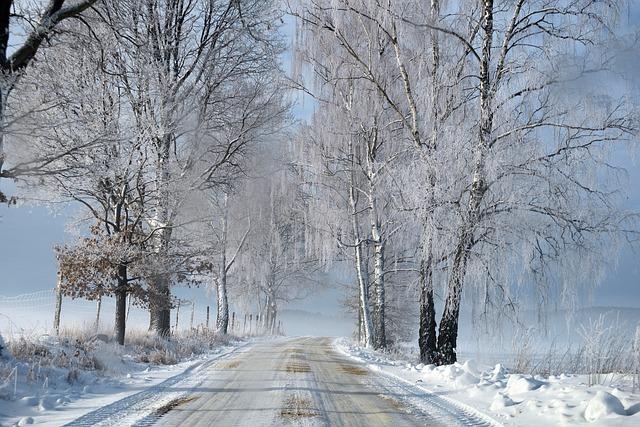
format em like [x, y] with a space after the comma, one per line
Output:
[455, 147]
[146, 114]
[460, 145]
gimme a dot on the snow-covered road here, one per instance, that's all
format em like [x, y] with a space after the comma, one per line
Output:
[300, 381]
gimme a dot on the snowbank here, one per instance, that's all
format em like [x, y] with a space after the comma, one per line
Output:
[49, 381]
[602, 405]
[513, 399]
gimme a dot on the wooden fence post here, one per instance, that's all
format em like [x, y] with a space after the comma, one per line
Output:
[244, 325]
[193, 310]
[207, 317]
[56, 316]
[177, 315]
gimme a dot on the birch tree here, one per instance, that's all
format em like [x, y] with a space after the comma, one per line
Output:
[521, 74]
[224, 226]
[367, 35]
[484, 62]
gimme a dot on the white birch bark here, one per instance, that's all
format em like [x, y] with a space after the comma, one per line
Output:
[378, 264]
[222, 317]
[361, 273]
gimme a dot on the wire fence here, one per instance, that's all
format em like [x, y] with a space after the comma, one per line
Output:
[33, 314]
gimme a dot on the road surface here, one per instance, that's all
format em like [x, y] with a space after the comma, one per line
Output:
[286, 382]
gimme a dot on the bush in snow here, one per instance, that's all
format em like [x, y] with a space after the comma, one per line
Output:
[40, 361]
[607, 351]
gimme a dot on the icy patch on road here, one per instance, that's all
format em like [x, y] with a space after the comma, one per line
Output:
[515, 400]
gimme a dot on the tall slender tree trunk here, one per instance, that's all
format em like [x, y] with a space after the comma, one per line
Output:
[121, 304]
[427, 340]
[222, 318]
[4, 93]
[379, 320]
[2, 125]
[6, 77]
[448, 333]
[160, 296]
[98, 310]
[362, 275]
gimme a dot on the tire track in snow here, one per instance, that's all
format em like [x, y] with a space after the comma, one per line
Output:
[445, 410]
[145, 402]
[449, 411]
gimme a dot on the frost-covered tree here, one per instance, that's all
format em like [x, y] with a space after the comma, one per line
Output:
[170, 97]
[374, 51]
[23, 29]
[229, 228]
[275, 268]
[534, 186]
[540, 151]
[107, 174]
[191, 67]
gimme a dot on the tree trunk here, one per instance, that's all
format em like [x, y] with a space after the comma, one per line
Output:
[448, 333]
[360, 332]
[363, 286]
[271, 311]
[98, 309]
[159, 308]
[193, 312]
[427, 332]
[272, 326]
[427, 340]
[2, 113]
[177, 316]
[222, 318]
[380, 338]
[121, 304]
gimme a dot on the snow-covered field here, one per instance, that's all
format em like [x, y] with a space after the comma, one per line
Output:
[58, 381]
[514, 400]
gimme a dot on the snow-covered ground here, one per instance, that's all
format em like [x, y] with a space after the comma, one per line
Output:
[55, 395]
[512, 399]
